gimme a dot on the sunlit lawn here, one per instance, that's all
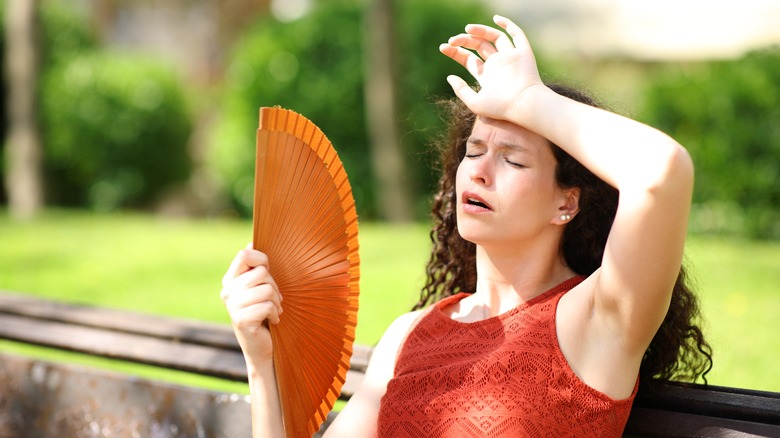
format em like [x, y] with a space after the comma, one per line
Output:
[174, 267]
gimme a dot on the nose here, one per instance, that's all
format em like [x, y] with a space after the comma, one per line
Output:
[481, 171]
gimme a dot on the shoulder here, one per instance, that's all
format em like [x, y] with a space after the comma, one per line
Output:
[395, 334]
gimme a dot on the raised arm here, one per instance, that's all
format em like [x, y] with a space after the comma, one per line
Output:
[653, 173]
[253, 300]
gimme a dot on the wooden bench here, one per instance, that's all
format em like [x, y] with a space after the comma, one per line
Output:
[39, 398]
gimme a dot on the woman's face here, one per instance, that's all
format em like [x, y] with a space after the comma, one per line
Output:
[506, 188]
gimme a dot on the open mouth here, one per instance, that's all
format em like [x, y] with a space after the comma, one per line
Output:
[475, 201]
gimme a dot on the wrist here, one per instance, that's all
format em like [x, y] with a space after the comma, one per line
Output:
[527, 105]
[258, 367]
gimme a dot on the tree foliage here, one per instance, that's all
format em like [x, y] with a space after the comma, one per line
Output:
[726, 114]
[315, 66]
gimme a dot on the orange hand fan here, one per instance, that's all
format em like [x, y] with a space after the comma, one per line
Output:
[305, 221]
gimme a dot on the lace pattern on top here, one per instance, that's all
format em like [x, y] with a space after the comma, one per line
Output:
[499, 377]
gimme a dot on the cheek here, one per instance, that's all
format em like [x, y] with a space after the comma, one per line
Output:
[461, 177]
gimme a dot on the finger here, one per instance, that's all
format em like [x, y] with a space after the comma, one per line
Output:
[518, 36]
[251, 278]
[467, 59]
[462, 90]
[243, 284]
[455, 53]
[238, 299]
[245, 260]
[254, 315]
[495, 36]
[483, 47]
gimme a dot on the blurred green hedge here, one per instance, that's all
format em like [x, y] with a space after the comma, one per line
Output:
[115, 127]
[314, 66]
[727, 114]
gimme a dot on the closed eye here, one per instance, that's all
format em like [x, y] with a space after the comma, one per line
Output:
[515, 164]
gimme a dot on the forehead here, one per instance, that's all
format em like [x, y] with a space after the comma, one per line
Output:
[503, 133]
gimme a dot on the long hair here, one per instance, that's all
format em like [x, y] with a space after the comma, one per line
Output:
[677, 352]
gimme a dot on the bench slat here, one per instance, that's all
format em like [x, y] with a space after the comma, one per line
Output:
[187, 345]
[226, 364]
[194, 332]
[647, 422]
[177, 329]
[715, 401]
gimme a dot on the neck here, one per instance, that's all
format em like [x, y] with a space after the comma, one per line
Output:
[506, 279]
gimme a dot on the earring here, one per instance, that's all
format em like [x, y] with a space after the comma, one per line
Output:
[565, 217]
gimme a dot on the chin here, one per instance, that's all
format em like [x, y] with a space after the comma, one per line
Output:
[469, 234]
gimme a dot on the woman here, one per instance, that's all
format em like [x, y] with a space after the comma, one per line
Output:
[571, 223]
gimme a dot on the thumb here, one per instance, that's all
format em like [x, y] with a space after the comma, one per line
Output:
[462, 89]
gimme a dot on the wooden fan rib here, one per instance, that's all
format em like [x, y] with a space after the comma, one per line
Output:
[285, 228]
[305, 235]
[310, 259]
[277, 183]
[300, 329]
[320, 381]
[326, 264]
[260, 160]
[317, 225]
[323, 220]
[329, 343]
[308, 133]
[293, 383]
[312, 282]
[324, 149]
[313, 318]
[290, 156]
[314, 380]
[290, 404]
[332, 244]
[261, 186]
[322, 376]
[304, 305]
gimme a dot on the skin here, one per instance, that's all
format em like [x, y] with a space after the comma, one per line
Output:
[605, 323]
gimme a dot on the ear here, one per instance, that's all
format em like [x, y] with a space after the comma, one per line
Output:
[569, 206]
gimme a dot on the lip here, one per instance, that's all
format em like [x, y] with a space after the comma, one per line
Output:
[474, 208]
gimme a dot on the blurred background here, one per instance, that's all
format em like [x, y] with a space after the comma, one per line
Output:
[128, 134]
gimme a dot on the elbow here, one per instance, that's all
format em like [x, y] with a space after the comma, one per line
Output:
[675, 171]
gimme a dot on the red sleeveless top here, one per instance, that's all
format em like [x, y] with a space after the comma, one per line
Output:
[500, 377]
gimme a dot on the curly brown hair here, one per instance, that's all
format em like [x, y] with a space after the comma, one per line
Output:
[677, 352]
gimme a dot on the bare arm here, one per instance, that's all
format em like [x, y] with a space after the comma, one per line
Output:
[654, 174]
[253, 300]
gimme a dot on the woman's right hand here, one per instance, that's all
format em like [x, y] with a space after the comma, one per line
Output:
[252, 298]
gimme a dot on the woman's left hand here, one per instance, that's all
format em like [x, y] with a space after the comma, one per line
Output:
[504, 68]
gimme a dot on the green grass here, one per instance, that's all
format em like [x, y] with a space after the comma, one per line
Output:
[174, 267]
[738, 282]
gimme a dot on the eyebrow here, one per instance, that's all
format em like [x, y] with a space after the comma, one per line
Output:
[502, 145]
